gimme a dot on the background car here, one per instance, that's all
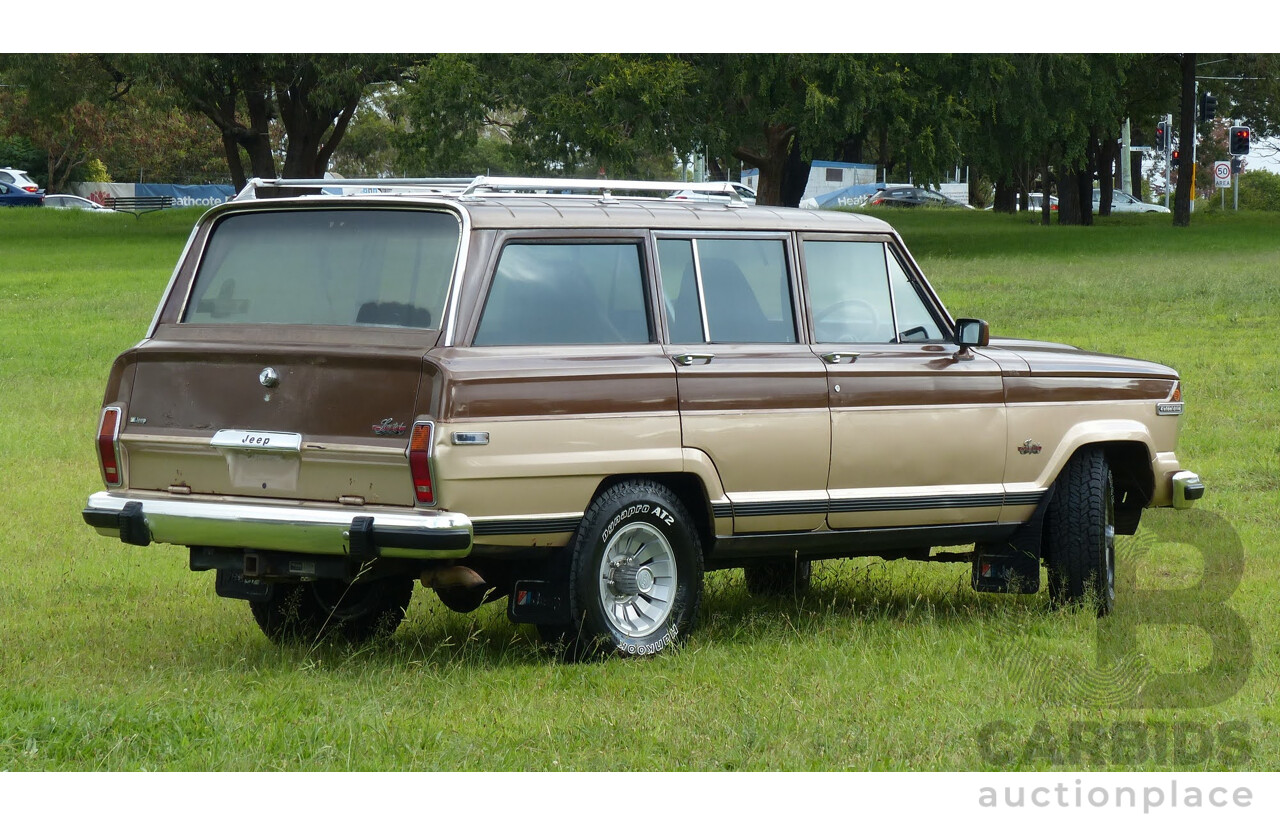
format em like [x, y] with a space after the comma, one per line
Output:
[912, 196]
[73, 202]
[745, 192]
[11, 195]
[20, 179]
[1034, 200]
[1124, 202]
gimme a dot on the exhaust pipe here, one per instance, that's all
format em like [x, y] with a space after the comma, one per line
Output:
[444, 578]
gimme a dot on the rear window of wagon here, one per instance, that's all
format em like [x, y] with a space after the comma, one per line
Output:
[338, 267]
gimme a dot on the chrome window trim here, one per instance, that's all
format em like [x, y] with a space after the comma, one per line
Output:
[219, 214]
[173, 280]
[702, 299]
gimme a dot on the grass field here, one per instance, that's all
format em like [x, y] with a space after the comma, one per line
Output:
[115, 657]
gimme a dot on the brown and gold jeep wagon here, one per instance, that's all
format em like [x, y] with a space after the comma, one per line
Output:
[579, 396]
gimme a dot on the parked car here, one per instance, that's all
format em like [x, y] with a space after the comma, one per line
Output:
[12, 195]
[580, 402]
[1122, 201]
[746, 193]
[912, 196]
[1035, 201]
[20, 179]
[73, 202]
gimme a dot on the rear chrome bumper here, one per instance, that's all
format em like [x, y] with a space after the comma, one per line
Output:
[1187, 488]
[265, 525]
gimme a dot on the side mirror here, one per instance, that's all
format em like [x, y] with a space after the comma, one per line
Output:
[970, 332]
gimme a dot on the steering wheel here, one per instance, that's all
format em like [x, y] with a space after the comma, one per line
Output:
[863, 319]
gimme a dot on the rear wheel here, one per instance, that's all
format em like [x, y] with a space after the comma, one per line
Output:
[782, 577]
[356, 611]
[635, 573]
[1080, 533]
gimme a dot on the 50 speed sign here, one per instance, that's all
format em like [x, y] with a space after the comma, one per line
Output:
[1221, 173]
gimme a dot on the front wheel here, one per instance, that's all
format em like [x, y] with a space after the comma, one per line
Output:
[356, 611]
[635, 574]
[1080, 533]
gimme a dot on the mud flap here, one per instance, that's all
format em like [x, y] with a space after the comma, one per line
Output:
[231, 584]
[538, 601]
[1013, 565]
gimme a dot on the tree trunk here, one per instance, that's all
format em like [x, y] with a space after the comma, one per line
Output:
[1084, 193]
[1135, 174]
[1006, 197]
[1187, 129]
[1106, 174]
[234, 164]
[795, 176]
[771, 163]
[977, 194]
[851, 148]
[1069, 211]
[256, 140]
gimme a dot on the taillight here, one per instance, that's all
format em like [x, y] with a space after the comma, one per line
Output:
[1177, 392]
[108, 452]
[420, 462]
[32, 188]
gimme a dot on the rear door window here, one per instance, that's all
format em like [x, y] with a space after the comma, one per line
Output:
[726, 291]
[566, 293]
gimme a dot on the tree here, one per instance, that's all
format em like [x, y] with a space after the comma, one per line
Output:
[63, 104]
[566, 114]
[314, 97]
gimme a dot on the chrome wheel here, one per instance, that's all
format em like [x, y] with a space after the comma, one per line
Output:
[637, 580]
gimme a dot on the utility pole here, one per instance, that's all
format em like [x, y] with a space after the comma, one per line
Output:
[1125, 172]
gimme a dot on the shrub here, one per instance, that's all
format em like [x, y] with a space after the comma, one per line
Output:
[95, 171]
[1260, 191]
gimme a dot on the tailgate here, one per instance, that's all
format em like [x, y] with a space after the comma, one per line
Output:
[276, 421]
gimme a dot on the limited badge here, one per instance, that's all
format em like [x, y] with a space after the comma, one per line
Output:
[389, 426]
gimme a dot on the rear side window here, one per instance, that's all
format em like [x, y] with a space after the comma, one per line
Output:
[739, 286]
[352, 267]
[565, 293]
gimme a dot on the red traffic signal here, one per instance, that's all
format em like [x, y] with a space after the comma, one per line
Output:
[1162, 136]
[1173, 158]
[1239, 140]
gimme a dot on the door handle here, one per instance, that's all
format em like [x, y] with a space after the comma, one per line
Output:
[687, 359]
[840, 357]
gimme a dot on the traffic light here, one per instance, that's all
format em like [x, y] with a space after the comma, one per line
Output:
[1208, 105]
[1235, 165]
[1239, 140]
[1162, 136]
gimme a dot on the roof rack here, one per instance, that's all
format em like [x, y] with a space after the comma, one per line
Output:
[605, 187]
[482, 186]
[361, 185]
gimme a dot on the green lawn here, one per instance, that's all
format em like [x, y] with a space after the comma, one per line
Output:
[115, 657]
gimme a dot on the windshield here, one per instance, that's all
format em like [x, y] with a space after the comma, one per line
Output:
[341, 267]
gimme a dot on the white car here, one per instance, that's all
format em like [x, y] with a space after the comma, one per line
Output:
[745, 192]
[19, 178]
[73, 202]
[1122, 201]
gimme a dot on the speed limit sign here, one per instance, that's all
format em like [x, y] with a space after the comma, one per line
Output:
[1222, 173]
